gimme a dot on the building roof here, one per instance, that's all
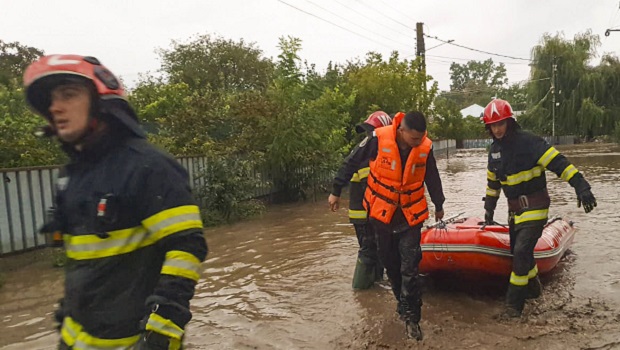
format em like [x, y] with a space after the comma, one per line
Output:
[474, 110]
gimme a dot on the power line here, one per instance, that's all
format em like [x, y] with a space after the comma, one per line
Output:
[388, 17]
[334, 24]
[476, 50]
[355, 24]
[612, 19]
[462, 92]
[471, 59]
[447, 41]
[487, 88]
[397, 11]
[370, 18]
[439, 61]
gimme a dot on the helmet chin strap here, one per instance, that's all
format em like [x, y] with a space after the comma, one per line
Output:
[45, 131]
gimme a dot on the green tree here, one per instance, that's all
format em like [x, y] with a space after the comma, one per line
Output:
[14, 58]
[476, 82]
[217, 63]
[516, 95]
[485, 73]
[586, 96]
[306, 136]
[391, 85]
[18, 144]
[448, 123]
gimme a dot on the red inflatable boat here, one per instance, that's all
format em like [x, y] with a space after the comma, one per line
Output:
[466, 245]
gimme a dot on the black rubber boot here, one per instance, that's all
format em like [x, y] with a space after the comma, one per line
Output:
[534, 288]
[413, 330]
[515, 301]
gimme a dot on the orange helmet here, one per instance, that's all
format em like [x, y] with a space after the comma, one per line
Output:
[375, 120]
[46, 73]
[497, 110]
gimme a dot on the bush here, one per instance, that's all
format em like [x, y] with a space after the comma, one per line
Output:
[226, 190]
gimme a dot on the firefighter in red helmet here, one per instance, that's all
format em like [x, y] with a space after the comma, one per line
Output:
[517, 162]
[132, 230]
[368, 268]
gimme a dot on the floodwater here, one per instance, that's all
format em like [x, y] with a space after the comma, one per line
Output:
[283, 280]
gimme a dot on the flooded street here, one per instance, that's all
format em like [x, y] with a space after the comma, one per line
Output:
[283, 280]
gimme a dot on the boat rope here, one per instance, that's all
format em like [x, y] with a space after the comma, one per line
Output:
[440, 235]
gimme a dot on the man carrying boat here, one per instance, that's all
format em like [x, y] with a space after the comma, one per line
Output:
[401, 163]
[517, 162]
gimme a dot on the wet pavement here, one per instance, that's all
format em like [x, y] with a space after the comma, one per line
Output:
[283, 280]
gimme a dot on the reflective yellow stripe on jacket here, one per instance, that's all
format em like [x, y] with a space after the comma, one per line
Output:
[173, 220]
[73, 335]
[183, 264]
[493, 193]
[548, 156]
[523, 176]
[360, 174]
[154, 228]
[491, 175]
[532, 215]
[569, 172]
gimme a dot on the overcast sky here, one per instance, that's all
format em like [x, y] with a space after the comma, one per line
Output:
[125, 34]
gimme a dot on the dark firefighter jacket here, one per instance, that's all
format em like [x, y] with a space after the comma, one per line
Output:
[367, 150]
[357, 213]
[517, 165]
[133, 235]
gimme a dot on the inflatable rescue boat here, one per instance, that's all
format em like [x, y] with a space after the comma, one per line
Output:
[467, 245]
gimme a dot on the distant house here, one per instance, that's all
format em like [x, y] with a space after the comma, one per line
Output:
[474, 110]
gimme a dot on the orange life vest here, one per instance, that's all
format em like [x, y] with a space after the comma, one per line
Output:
[389, 187]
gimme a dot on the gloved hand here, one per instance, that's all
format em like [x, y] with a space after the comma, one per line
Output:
[150, 340]
[587, 199]
[488, 217]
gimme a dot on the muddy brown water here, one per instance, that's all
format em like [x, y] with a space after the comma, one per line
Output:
[283, 281]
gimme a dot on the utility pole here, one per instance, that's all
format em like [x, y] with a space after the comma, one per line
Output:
[420, 49]
[553, 74]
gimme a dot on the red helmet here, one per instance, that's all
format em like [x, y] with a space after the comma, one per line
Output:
[375, 120]
[43, 75]
[497, 110]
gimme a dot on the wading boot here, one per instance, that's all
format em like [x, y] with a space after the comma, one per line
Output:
[534, 288]
[515, 301]
[364, 275]
[413, 330]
